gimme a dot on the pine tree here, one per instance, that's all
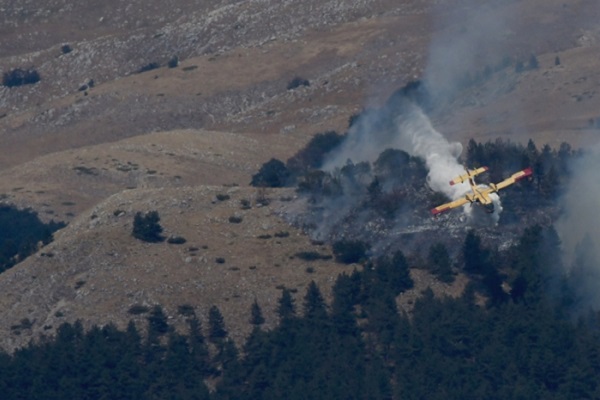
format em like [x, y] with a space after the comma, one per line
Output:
[346, 291]
[473, 253]
[147, 228]
[216, 326]
[256, 317]
[314, 304]
[286, 309]
[440, 263]
[157, 322]
[199, 349]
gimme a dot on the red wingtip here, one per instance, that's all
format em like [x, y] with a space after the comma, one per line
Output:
[485, 168]
[451, 183]
[436, 211]
[526, 172]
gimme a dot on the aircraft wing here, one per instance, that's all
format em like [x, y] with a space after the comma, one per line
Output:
[449, 206]
[514, 178]
[470, 173]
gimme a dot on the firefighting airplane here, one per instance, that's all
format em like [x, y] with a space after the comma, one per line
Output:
[479, 195]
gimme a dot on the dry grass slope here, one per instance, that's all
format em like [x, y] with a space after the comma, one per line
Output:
[172, 139]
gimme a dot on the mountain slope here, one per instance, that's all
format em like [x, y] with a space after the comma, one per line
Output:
[171, 139]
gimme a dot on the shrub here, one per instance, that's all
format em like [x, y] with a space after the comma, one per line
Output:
[66, 49]
[176, 240]
[245, 204]
[18, 77]
[235, 219]
[85, 170]
[147, 228]
[186, 310]
[173, 62]
[297, 82]
[138, 309]
[148, 67]
[222, 197]
[311, 256]
[220, 260]
[273, 173]
[350, 251]
[533, 62]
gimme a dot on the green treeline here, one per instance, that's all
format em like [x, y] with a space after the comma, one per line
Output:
[516, 343]
[20, 233]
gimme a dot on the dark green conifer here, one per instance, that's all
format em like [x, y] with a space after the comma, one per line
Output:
[216, 326]
[256, 317]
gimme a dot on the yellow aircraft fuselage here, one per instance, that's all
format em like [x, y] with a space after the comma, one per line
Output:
[479, 194]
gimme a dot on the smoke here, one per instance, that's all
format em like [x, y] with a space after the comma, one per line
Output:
[411, 131]
[469, 37]
[579, 227]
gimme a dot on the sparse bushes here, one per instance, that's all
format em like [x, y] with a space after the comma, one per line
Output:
[19, 77]
[147, 228]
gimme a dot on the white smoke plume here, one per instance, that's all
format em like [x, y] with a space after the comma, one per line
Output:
[579, 227]
[471, 34]
[413, 133]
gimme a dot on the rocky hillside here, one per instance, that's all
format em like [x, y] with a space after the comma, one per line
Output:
[163, 105]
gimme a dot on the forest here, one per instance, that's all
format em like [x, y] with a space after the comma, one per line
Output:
[493, 342]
